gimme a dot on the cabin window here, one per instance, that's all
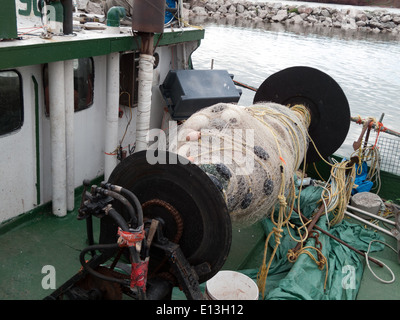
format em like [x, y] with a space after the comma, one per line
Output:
[83, 84]
[11, 101]
[129, 69]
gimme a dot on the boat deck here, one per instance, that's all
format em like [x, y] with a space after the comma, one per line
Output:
[39, 239]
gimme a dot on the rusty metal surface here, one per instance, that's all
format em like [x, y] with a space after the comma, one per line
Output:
[109, 290]
[148, 16]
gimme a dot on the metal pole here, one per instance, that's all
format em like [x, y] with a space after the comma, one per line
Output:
[371, 215]
[387, 130]
[369, 224]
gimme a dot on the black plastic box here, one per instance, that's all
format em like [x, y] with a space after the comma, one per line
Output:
[187, 91]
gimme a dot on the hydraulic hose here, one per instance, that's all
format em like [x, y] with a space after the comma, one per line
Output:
[124, 226]
[86, 266]
[124, 282]
[133, 253]
[130, 196]
[123, 200]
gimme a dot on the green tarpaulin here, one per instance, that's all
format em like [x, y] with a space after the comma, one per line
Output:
[303, 279]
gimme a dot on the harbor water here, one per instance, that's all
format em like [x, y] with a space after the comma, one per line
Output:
[365, 65]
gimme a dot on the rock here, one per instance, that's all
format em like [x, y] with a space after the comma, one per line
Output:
[81, 4]
[280, 16]
[94, 8]
[361, 17]
[239, 8]
[245, 15]
[223, 9]
[216, 15]
[352, 13]
[232, 9]
[375, 24]
[316, 11]
[262, 13]
[304, 9]
[303, 15]
[388, 25]
[369, 14]
[361, 23]
[337, 24]
[396, 19]
[199, 11]
[349, 24]
[311, 19]
[337, 17]
[211, 7]
[325, 13]
[328, 21]
[297, 19]
[350, 18]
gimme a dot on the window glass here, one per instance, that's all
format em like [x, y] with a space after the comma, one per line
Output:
[83, 84]
[11, 101]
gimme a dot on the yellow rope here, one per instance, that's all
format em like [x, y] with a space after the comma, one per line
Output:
[342, 192]
[283, 218]
[292, 257]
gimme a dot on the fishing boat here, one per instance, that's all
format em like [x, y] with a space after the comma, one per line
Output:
[101, 198]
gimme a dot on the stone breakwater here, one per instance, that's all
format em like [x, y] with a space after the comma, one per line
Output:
[347, 18]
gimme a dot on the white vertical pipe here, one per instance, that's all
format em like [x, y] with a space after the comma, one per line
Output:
[57, 133]
[145, 77]
[69, 131]
[111, 131]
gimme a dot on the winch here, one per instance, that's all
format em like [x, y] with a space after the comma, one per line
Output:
[169, 224]
[179, 234]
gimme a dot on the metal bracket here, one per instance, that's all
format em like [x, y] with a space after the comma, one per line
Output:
[185, 273]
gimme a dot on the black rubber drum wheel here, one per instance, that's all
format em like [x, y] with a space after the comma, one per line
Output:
[324, 98]
[191, 208]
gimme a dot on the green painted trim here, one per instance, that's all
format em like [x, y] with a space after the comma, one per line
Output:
[37, 139]
[51, 51]
[8, 20]
[59, 9]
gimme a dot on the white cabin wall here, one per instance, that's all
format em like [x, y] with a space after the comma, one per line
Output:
[89, 129]
[18, 193]
[18, 166]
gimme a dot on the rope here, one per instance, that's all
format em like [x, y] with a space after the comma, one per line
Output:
[336, 194]
[369, 267]
[283, 218]
[370, 153]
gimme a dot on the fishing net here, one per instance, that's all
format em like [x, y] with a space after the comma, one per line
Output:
[250, 153]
